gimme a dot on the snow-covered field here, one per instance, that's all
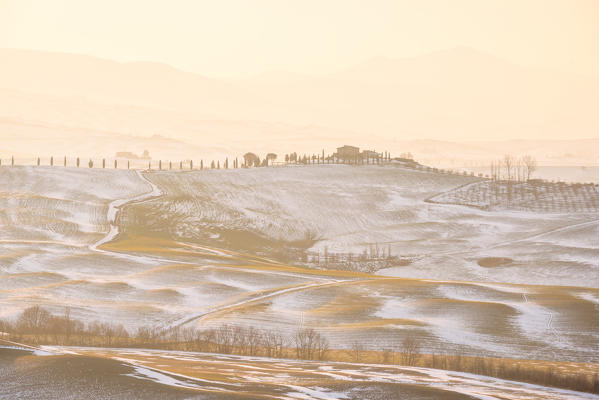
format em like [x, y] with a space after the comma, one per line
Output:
[179, 248]
[542, 197]
[346, 209]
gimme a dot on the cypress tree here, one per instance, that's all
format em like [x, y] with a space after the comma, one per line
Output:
[12, 161]
[52, 161]
[180, 164]
[103, 163]
[77, 162]
[191, 164]
[160, 165]
[38, 161]
[115, 164]
[65, 161]
[128, 164]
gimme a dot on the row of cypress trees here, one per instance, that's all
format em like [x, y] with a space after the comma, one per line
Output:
[289, 158]
[90, 163]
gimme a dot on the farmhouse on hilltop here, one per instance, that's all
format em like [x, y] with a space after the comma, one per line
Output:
[370, 155]
[348, 153]
[352, 154]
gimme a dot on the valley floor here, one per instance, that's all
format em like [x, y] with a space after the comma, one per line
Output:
[206, 248]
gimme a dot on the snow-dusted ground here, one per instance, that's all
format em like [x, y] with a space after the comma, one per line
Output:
[349, 208]
[291, 379]
[53, 220]
[542, 197]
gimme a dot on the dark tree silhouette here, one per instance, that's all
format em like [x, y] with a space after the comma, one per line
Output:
[270, 158]
[251, 160]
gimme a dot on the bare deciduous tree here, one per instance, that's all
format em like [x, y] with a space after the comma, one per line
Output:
[508, 165]
[530, 165]
[322, 347]
[357, 348]
[410, 349]
[33, 320]
[307, 343]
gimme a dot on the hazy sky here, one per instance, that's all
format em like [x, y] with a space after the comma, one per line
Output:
[240, 38]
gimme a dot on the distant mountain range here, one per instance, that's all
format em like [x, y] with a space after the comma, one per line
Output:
[51, 100]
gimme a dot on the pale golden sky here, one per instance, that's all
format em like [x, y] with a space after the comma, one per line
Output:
[229, 38]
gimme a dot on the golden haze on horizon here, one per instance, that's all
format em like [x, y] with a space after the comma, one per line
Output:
[240, 38]
[295, 76]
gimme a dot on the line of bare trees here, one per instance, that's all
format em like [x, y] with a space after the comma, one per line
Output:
[372, 258]
[512, 168]
[38, 326]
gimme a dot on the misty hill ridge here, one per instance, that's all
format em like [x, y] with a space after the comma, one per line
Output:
[459, 93]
